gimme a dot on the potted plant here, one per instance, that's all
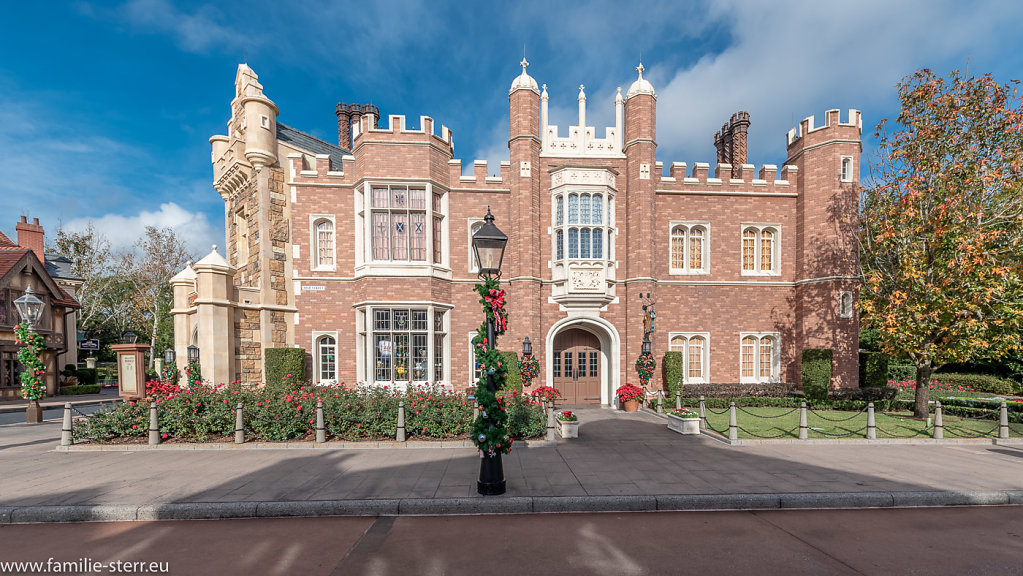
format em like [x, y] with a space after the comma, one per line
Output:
[568, 424]
[684, 421]
[630, 396]
[547, 395]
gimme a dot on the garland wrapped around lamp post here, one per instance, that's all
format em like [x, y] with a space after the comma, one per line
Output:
[490, 431]
[32, 386]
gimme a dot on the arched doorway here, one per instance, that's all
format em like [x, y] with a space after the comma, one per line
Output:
[577, 366]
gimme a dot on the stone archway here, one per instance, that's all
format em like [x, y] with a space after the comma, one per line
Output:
[593, 380]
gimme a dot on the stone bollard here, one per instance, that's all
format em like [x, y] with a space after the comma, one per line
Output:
[550, 425]
[154, 426]
[803, 432]
[1003, 422]
[939, 428]
[66, 438]
[660, 403]
[871, 425]
[321, 431]
[703, 412]
[475, 412]
[678, 400]
[239, 425]
[733, 427]
[400, 436]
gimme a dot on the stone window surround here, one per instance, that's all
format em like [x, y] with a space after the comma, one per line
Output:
[689, 225]
[845, 304]
[314, 253]
[705, 379]
[775, 375]
[775, 248]
[474, 374]
[846, 169]
[607, 230]
[365, 264]
[318, 335]
[364, 352]
[473, 268]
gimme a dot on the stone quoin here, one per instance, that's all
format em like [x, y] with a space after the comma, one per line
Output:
[360, 252]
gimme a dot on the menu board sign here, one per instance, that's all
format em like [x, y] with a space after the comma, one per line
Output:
[129, 375]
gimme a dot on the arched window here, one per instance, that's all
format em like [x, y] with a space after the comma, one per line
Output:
[474, 264]
[766, 250]
[759, 357]
[748, 350]
[694, 356]
[597, 214]
[326, 351]
[689, 248]
[749, 249]
[585, 214]
[573, 208]
[559, 215]
[324, 244]
[696, 248]
[766, 358]
[678, 247]
[845, 305]
[760, 250]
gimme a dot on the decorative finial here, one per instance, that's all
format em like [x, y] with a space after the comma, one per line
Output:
[640, 69]
[489, 217]
[524, 64]
[214, 247]
[582, 93]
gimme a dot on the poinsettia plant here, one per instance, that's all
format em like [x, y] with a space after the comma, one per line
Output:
[627, 392]
[567, 416]
[546, 394]
[684, 413]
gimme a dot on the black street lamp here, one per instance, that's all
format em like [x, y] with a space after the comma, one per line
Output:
[193, 354]
[488, 243]
[30, 308]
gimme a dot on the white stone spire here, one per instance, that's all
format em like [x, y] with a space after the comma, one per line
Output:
[641, 85]
[524, 80]
[543, 109]
[582, 107]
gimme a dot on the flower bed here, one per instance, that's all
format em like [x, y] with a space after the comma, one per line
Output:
[204, 414]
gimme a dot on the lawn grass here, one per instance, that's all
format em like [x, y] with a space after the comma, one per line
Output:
[784, 423]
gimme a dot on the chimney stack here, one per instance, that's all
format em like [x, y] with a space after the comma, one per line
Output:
[348, 113]
[31, 236]
[731, 142]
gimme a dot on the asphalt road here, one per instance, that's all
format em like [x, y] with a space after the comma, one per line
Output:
[933, 542]
[49, 413]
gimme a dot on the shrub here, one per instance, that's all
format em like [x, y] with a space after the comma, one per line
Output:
[764, 389]
[526, 418]
[432, 412]
[816, 374]
[80, 389]
[87, 376]
[979, 382]
[900, 372]
[69, 370]
[280, 362]
[882, 397]
[672, 369]
[512, 381]
[875, 369]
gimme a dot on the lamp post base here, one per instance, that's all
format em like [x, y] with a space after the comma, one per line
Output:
[34, 413]
[491, 482]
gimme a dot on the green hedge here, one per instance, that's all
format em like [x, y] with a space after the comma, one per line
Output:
[86, 376]
[279, 362]
[673, 371]
[979, 382]
[513, 380]
[79, 389]
[901, 372]
[816, 374]
[875, 369]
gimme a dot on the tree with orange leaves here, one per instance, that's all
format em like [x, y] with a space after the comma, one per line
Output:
[942, 225]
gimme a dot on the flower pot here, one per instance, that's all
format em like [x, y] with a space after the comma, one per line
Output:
[630, 405]
[568, 429]
[684, 425]
[34, 412]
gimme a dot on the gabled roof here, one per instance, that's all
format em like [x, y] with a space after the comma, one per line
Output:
[6, 242]
[312, 144]
[10, 258]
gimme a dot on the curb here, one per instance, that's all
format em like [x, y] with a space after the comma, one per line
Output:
[331, 445]
[57, 405]
[504, 505]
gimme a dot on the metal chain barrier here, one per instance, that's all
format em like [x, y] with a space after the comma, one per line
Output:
[783, 433]
[818, 414]
[743, 410]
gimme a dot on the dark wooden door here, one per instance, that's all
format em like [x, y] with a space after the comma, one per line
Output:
[577, 366]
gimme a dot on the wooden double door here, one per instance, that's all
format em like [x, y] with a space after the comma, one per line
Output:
[576, 362]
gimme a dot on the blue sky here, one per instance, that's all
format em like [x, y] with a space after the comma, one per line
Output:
[106, 107]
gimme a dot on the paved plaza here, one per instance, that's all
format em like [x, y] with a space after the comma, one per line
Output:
[620, 462]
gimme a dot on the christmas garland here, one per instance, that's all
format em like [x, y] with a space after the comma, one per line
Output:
[170, 372]
[645, 365]
[32, 385]
[193, 371]
[489, 431]
[529, 368]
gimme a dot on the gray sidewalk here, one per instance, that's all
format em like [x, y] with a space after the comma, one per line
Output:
[619, 462]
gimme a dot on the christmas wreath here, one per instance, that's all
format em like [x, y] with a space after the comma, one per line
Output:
[645, 365]
[529, 368]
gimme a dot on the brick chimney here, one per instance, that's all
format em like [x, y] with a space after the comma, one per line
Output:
[348, 113]
[31, 236]
[738, 125]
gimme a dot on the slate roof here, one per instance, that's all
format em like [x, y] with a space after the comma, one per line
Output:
[310, 143]
[60, 267]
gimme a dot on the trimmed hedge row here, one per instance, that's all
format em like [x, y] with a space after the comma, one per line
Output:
[279, 362]
[86, 376]
[673, 372]
[816, 374]
[733, 390]
[979, 382]
[513, 379]
[79, 389]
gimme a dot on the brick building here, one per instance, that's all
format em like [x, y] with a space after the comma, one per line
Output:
[360, 252]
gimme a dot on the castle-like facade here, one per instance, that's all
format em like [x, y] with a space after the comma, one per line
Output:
[360, 252]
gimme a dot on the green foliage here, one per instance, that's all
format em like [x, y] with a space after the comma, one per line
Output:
[901, 372]
[816, 374]
[86, 376]
[79, 389]
[32, 345]
[979, 382]
[432, 412]
[672, 369]
[69, 370]
[870, 339]
[875, 369]
[489, 431]
[284, 363]
[513, 380]
[526, 418]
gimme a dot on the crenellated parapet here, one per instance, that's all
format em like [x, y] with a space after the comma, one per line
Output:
[397, 131]
[582, 140]
[726, 179]
[321, 166]
[808, 133]
[480, 178]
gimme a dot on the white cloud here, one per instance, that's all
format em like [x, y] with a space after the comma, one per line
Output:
[196, 32]
[122, 231]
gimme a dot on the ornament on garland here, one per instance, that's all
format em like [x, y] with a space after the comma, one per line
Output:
[490, 431]
[32, 385]
[529, 368]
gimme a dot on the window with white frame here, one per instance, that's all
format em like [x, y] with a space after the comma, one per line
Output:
[580, 226]
[845, 304]
[475, 368]
[323, 242]
[761, 247]
[405, 344]
[690, 248]
[326, 360]
[398, 223]
[847, 169]
[759, 357]
[695, 351]
[474, 226]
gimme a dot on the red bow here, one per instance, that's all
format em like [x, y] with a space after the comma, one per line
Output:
[496, 303]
